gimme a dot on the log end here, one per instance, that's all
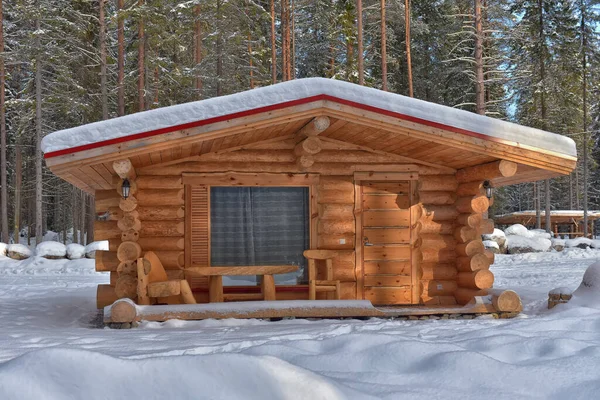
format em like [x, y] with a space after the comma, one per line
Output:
[123, 310]
[507, 301]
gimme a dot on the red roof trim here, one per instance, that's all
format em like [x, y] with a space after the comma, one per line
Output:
[272, 107]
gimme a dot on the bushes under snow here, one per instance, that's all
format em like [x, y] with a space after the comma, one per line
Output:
[75, 251]
[18, 251]
[53, 250]
[518, 239]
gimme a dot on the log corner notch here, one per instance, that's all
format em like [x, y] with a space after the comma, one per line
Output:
[310, 144]
[129, 223]
[474, 277]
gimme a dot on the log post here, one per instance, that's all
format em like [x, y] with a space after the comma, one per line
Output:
[473, 263]
[129, 252]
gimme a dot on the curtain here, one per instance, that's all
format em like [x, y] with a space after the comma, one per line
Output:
[260, 226]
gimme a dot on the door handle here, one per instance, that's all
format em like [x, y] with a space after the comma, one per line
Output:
[366, 242]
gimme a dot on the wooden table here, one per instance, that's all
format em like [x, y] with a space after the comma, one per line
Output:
[215, 279]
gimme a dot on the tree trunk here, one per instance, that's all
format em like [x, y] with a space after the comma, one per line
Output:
[543, 106]
[383, 49]
[219, 51]
[538, 207]
[141, 63]
[91, 219]
[82, 218]
[3, 161]
[293, 42]
[479, 80]
[250, 62]
[284, 43]
[121, 59]
[585, 126]
[273, 45]
[39, 223]
[102, 39]
[408, 56]
[18, 186]
[75, 215]
[361, 63]
[198, 49]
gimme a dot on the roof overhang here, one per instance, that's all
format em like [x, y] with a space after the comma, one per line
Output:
[535, 162]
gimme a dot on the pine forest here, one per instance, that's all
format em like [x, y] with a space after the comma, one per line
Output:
[70, 62]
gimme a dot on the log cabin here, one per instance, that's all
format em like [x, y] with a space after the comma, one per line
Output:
[304, 190]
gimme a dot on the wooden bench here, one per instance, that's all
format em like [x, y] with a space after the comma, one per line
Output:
[215, 280]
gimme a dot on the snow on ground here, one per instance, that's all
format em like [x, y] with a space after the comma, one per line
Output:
[51, 346]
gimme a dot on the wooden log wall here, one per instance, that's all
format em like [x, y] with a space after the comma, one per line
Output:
[337, 228]
[473, 262]
[438, 273]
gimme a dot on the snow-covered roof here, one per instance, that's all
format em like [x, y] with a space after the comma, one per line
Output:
[290, 92]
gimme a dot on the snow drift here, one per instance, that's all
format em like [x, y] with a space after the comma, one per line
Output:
[76, 374]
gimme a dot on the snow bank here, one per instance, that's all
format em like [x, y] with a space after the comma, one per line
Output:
[78, 374]
[582, 243]
[519, 239]
[492, 246]
[521, 244]
[75, 251]
[300, 89]
[558, 244]
[44, 266]
[497, 234]
[92, 248]
[51, 250]
[18, 251]
[517, 229]
[3, 249]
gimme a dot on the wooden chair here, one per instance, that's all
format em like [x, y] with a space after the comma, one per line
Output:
[328, 284]
[154, 284]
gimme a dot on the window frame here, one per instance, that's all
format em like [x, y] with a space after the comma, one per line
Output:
[237, 179]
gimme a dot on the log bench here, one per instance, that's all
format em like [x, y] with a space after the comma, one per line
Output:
[215, 280]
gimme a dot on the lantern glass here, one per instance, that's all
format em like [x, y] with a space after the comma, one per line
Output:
[489, 189]
[125, 188]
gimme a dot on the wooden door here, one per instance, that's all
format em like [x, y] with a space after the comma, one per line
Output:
[388, 276]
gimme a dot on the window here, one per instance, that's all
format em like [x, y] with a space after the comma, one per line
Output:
[259, 226]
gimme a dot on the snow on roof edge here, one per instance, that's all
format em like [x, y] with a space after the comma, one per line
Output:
[171, 116]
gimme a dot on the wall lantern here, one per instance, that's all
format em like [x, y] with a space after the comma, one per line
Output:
[489, 189]
[125, 187]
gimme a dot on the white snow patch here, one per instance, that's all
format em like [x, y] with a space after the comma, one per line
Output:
[299, 89]
[19, 248]
[534, 243]
[75, 251]
[78, 374]
[97, 246]
[497, 234]
[543, 354]
[489, 244]
[517, 229]
[561, 290]
[51, 249]
[3, 249]
[43, 266]
[578, 241]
